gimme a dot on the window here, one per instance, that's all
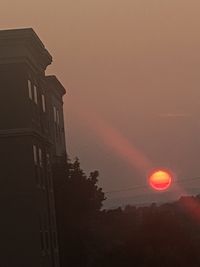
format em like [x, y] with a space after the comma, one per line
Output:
[54, 239]
[35, 154]
[54, 113]
[41, 234]
[48, 160]
[58, 118]
[50, 182]
[43, 103]
[30, 90]
[46, 233]
[40, 157]
[35, 94]
[47, 239]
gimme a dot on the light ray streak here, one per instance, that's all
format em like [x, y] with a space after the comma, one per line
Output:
[113, 139]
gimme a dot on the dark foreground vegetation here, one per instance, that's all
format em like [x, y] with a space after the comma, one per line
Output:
[158, 236]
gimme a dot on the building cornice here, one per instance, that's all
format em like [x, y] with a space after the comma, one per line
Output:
[17, 132]
[55, 85]
[21, 45]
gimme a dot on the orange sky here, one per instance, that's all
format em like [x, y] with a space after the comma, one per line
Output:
[135, 64]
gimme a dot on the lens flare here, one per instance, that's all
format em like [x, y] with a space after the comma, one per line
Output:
[160, 180]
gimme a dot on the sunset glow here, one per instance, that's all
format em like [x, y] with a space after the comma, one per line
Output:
[160, 180]
[113, 139]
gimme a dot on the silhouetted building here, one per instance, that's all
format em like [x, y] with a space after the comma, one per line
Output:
[32, 138]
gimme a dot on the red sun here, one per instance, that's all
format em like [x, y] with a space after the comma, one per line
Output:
[160, 180]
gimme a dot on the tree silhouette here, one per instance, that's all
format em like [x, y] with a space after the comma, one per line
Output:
[78, 203]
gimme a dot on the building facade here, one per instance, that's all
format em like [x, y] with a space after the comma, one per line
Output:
[32, 139]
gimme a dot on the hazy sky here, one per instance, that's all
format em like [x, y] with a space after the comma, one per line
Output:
[131, 70]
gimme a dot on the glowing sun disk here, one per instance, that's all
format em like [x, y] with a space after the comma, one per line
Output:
[160, 180]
